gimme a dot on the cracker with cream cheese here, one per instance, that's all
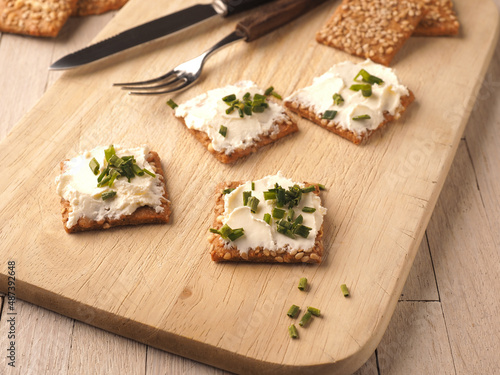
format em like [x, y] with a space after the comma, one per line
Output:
[143, 200]
[264, 232]
[352, 100]
[374, 29]
[236, 120]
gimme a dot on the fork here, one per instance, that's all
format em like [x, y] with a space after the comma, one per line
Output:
[267, 19]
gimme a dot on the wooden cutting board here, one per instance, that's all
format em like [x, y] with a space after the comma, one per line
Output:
[157, 284]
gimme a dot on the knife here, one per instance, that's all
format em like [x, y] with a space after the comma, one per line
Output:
[153, 30]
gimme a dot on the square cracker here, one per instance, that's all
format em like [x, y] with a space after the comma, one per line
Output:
[374, 29]
[36, 17]
[90, 7]
[220, 252]
[143, 215]
[440, 20]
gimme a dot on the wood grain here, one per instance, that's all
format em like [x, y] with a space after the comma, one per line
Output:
[115, 276]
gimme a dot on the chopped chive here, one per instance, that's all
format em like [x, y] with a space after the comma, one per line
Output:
[253, 203]
[108, 194]
[303, 231]
[149, 172]
[278, 213]
[172, 104]
[368, 78]
[309, 210]
[240, 112]
[246, 96]
[109, 152]
[213, 230]
[247, 110]
[292, 330]
[344, 290]
[338, 99]
[225, 231]
[298, 220]
[329, 115]
[114, 175]
[223, 130]
[276, 95]
[269, 195]
[236, 233]
[361, 117]
[308, 189]
[103, 173]
[229, 110]
[366, 90]
[259, 97]
[305, 319]
[137, 170]
[321, 187]
[302, 283]
[267, 218]
[314, 311]
[246, 195]
[269, 90]
[253, 185]
[229, 98]
[94, 166]
[227, 191]
[280, 197]
[293, 311]
[258, 109]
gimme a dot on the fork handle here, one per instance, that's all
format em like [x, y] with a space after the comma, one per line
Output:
[271, 16]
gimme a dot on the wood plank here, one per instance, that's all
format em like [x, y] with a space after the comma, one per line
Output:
[43, 341]
[464, 248]
[416, 341]
[94, 351]
[139, 278]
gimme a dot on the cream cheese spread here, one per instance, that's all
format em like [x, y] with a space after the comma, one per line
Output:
[258, 233]
[78, 185]
[385, 97]
[207, 112]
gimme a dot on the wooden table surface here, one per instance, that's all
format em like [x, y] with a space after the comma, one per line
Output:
[447, 320]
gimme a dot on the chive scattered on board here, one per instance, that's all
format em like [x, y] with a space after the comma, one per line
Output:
[302, 283]
[292, 330]
[172, 104]
[305, 319]
[314, 311]
[293, 311]
[344, 290]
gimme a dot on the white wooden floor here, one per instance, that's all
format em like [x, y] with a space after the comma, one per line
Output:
[447, 320]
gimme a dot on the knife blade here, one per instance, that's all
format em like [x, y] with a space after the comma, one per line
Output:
[152, 30]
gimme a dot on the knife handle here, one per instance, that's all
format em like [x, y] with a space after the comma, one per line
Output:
[274, 15]
[230, 7]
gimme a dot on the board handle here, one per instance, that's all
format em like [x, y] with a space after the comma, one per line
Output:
[274, 15]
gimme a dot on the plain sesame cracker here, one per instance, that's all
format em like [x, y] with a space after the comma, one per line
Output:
[35, 17]
[374, 29]
[440, 19]
[90, 7]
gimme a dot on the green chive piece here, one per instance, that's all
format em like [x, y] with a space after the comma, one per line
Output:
[253, 185]
[309, 210]
[103, 173]
[94, 166]
[269, 195]
[223, 130]
[213, 230]
[269, 90]
[278, 213]
[259, 97]
[149, 172]
[267, 218]
[366, 90]
[172, 104]
[276, 95]
[229, 110]
[109, 152]
[314, 311]
[137, 170]
[246, 96]
[344, 290]
[361, 117]
[368, 78]
[292, 330]
[225, 231]
[247, 110]
[293, 311]
[303, 231]
[338, 99]
[108, 194]
[227, 191]
[298, 220]
[114, 175]
[321, 187]
[229, 98]
[246, 195]
[329, 115]
[236, 233]
[308, 189]
[305, 319]
[302, 283]
[253, 203]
